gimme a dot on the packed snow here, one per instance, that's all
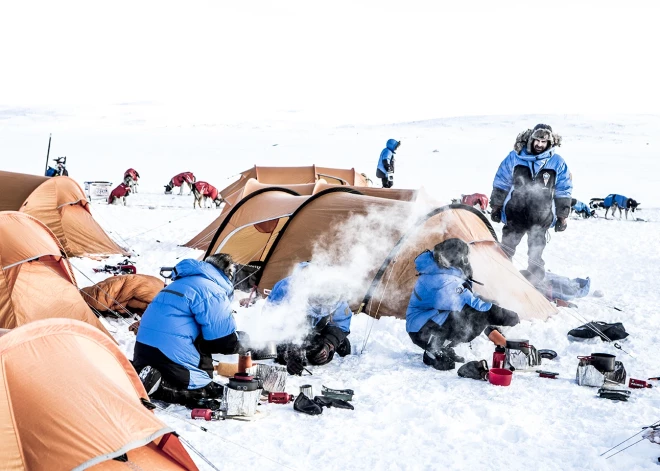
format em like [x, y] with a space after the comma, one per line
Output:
[407, 416]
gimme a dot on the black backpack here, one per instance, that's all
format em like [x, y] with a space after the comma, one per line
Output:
[615, 331]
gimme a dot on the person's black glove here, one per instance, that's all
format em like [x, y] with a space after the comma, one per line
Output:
[561, 225]
[496, 214]
[321, 352]
[295, 361]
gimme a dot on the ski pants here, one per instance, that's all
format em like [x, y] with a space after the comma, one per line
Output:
[461, 326]
[511, 237]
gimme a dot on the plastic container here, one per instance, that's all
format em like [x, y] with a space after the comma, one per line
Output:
[500, 376]
[499, 357]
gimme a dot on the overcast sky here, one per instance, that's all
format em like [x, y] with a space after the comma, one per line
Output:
[384, 60]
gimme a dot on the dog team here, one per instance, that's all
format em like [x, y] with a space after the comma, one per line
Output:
[205, 194]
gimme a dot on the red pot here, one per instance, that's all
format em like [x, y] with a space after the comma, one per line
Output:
[500, 376]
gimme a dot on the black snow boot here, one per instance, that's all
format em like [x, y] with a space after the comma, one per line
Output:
[449, 351]
[439, 359]
[151, 379]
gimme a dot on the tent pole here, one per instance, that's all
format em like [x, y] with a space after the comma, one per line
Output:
[48, 153]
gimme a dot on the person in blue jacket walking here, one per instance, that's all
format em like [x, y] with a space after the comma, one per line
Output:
[385, 169]
[329, 321]
[186, 322]
[532, 193]
[443, 311]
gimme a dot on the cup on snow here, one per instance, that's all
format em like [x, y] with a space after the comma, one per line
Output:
[500, 376]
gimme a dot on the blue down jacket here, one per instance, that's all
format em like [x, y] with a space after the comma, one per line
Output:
[196, 303]
[533, 185]
[438, 291]
[340, 313]
[386, 159]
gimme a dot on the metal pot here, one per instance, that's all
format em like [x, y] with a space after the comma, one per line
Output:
[518, 344]
[266, 352]
[603, 362]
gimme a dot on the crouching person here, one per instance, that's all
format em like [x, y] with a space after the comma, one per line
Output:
[189, 320]
[328, 321]
[443, 311]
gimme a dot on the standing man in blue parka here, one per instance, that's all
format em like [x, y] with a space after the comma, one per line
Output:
[385, 169]
[329, 322]
[532, 193]
[186, 322]
[443, 311]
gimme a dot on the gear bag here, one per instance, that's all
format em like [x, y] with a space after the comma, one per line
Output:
[615, 331]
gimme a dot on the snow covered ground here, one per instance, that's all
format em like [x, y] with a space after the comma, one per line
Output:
[407, 416]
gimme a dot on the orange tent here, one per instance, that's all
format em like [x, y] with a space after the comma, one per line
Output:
[61, 204]
[134, 292]
[279, 229]
[301, 180]
[36, 279]
[71, 400]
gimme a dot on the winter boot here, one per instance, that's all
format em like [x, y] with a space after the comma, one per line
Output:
[151, 379]
[439, 359]
[451, 353]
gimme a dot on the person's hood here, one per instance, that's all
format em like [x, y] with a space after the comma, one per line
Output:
[190, 267]
[425, 265]
[525, 138]
[391, 145]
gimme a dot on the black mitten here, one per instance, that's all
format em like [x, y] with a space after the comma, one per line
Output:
[321, 352]
[306, 405]
[325, 401]
[295, 361]
[474, 370]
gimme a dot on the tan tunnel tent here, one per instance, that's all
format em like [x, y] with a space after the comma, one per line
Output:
[335, 220]
[70, 400]
[301, 180]
[60, 204]
[124, 292]
[36, 279]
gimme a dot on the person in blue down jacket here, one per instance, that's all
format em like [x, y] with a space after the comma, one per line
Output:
[186, 322]
[329, 326]
[531, 193]
[443, 311]
[385, 169]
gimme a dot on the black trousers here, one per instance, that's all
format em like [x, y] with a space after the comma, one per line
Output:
[511, 237]
[461, 326]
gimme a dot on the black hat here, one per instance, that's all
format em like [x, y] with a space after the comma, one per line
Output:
[543, 126]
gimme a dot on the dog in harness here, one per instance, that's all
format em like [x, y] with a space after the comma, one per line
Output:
[131, 177]
[203, 192]
[619, 202]
[119, 194]
[184, 178]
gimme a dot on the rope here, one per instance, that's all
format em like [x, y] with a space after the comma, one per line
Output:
[189, 445]
[204, 429]
[630, 438]
[373, 318]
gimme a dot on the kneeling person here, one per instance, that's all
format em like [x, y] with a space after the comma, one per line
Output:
[443, 311]
[189, 320]
[329, 327]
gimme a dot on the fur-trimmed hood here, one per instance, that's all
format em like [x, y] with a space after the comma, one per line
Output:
[525, 138]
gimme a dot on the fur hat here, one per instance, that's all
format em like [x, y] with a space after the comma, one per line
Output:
[453, 253]
[540, 131]
[223, 263]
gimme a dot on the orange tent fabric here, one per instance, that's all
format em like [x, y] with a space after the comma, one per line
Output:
[124, 291]
[302, 180]
[335, 220]
[36, 279]
[60, 203]
[71, 400]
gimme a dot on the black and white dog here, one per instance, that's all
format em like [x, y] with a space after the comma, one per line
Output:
[614, 202]
[132, 184]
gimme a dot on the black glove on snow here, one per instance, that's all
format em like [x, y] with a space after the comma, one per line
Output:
[306, 405]
[496, 214]
[561, 225]
[325, 401]
[474, 370]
